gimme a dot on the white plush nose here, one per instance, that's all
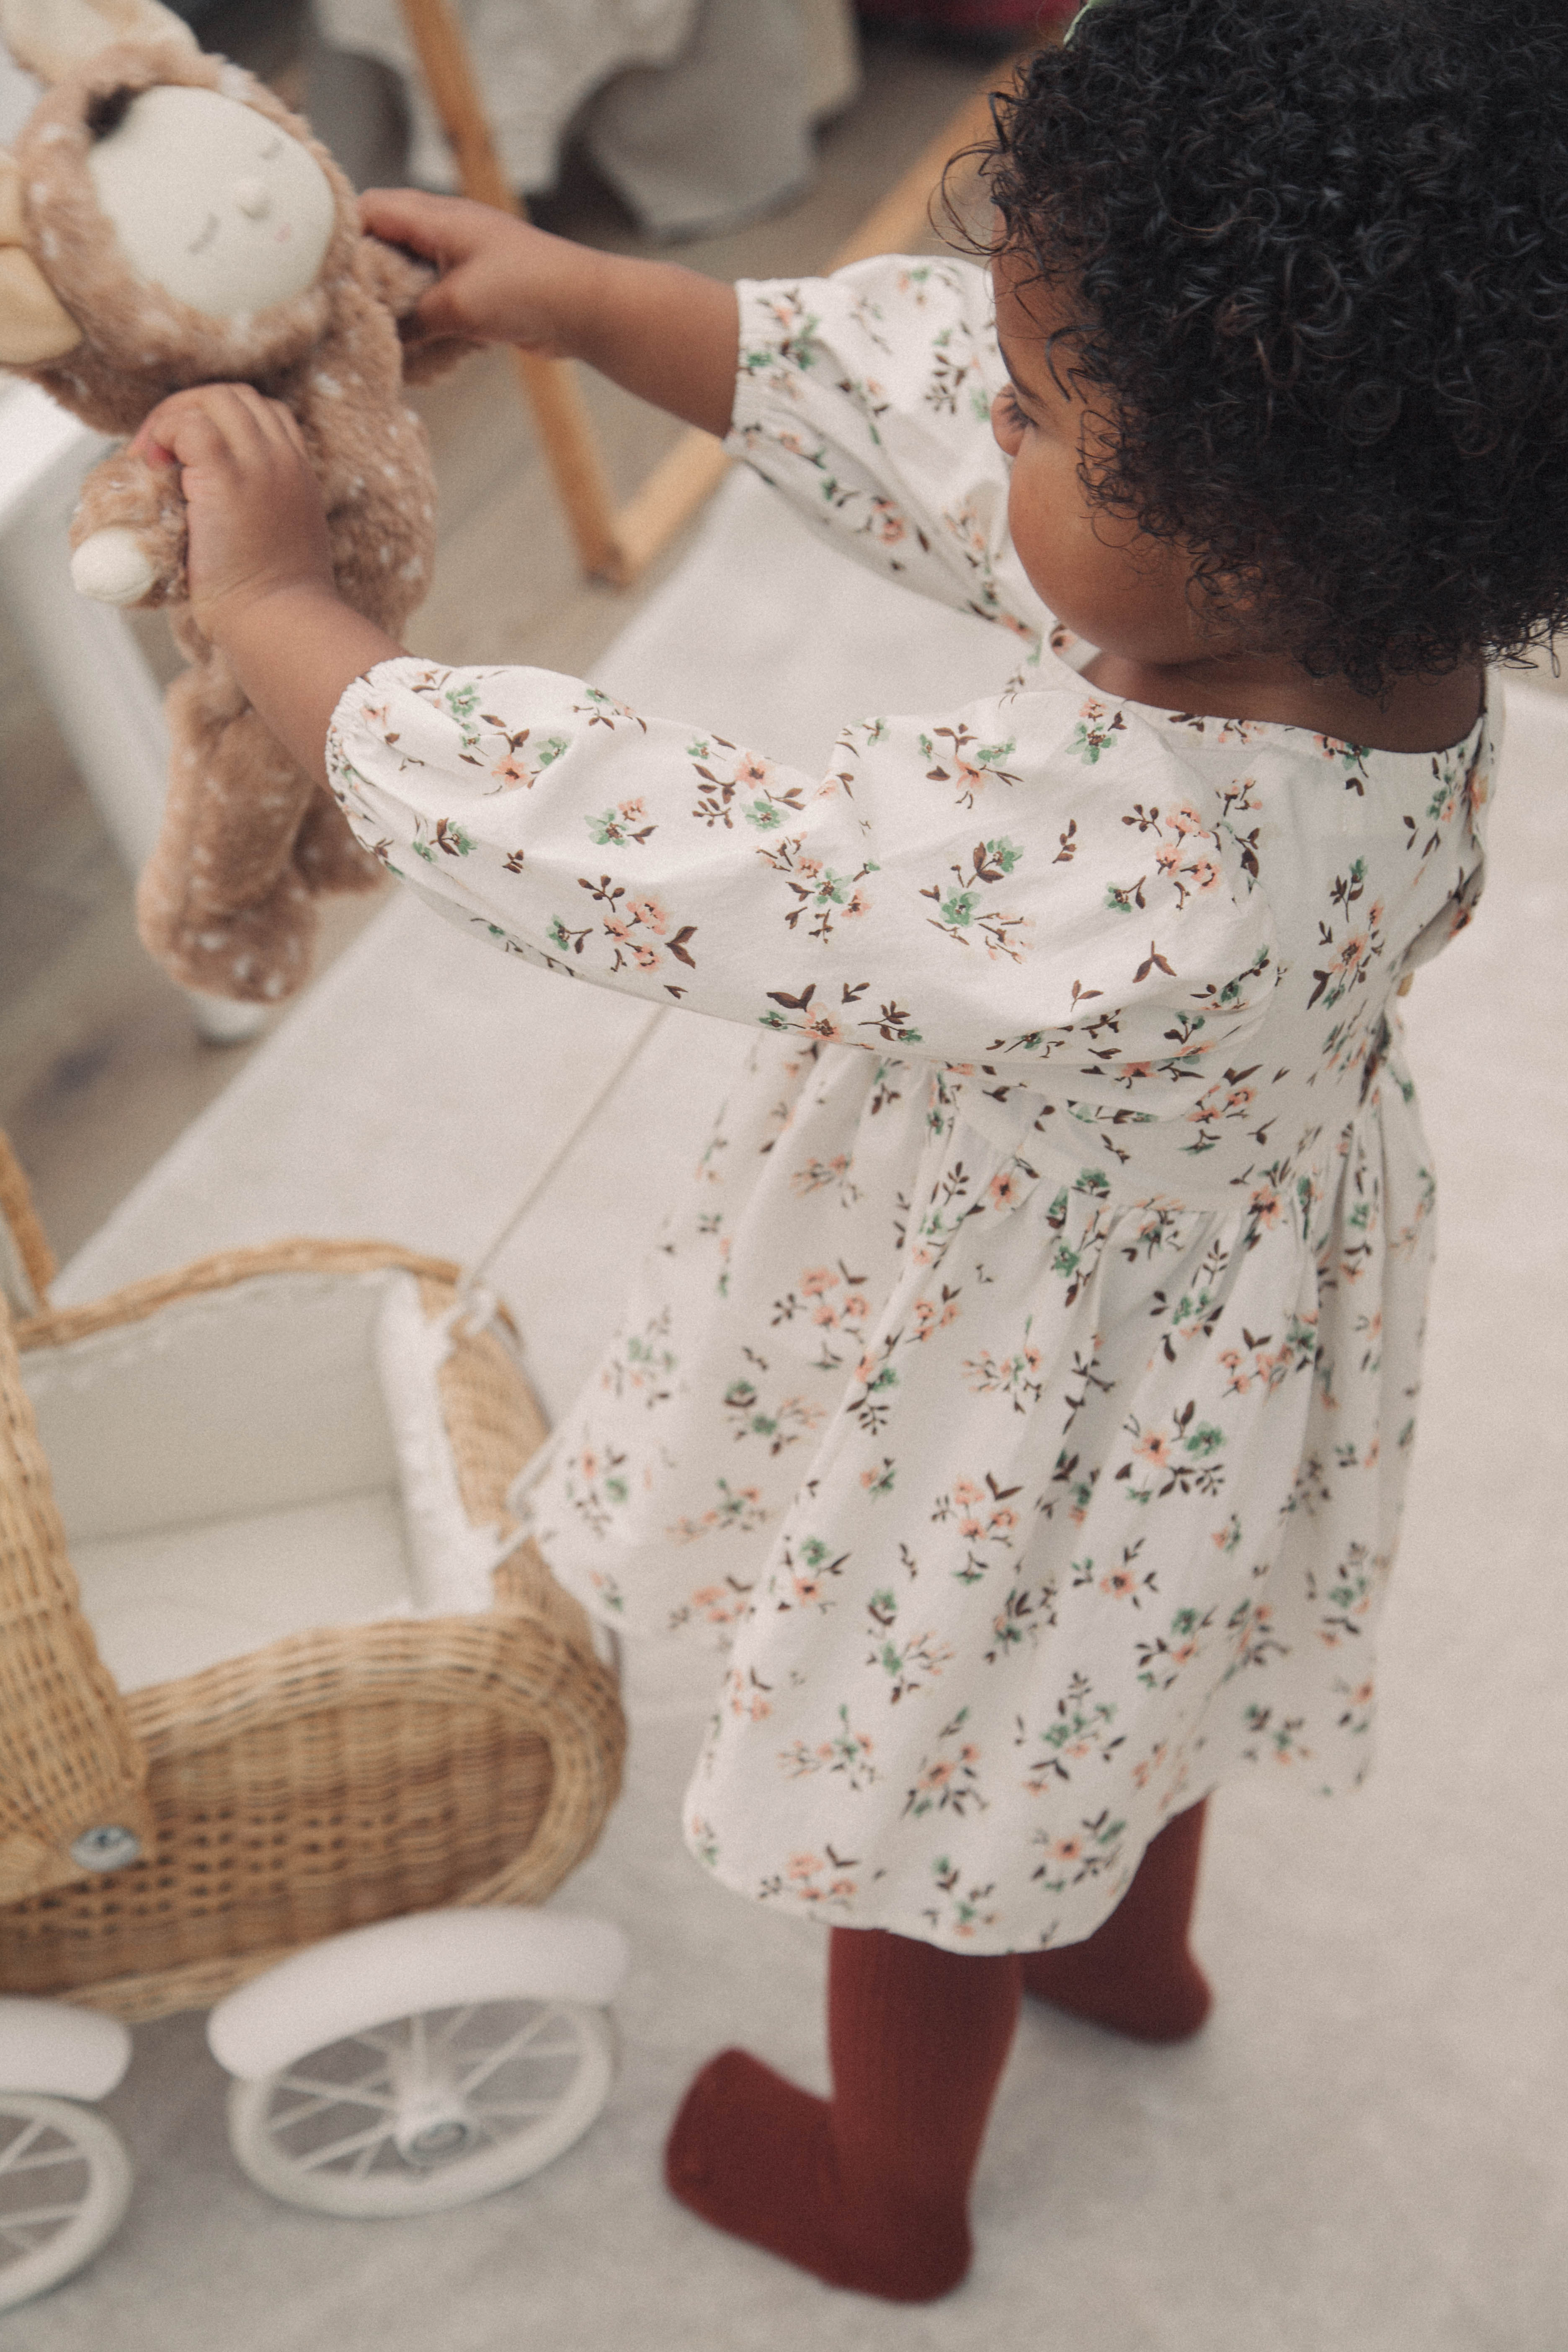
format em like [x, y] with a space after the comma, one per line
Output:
[252, 198]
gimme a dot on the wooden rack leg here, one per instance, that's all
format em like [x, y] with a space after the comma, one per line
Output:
[548, 385]
[697, 464]
[617, 544]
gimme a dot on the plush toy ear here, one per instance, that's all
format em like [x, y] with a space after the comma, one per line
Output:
[32, 326]
[52, 38]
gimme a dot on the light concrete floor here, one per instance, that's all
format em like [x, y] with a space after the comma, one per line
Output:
[99, 1066]
[1364, 2151]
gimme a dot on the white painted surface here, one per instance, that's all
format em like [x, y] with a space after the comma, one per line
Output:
[73, 2053]
[434, 1960]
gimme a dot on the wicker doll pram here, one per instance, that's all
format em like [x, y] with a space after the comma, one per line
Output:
[456, 1743]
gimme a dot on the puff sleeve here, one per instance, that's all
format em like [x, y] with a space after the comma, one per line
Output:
[1021, 883]
[865, 400]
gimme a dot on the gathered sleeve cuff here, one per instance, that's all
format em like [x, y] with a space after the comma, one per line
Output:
[865, 400]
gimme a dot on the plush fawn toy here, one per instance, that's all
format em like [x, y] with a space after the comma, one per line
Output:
[163, 222]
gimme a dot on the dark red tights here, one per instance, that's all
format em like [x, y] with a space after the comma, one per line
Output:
[870, 2189]
[1135, 1972]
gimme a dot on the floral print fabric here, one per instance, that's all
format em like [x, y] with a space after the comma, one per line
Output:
[1024, 1395]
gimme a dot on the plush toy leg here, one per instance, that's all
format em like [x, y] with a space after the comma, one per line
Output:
[128, 533]
[221, 904]
[326, 855]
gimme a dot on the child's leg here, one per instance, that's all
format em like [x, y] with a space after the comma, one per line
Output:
[870, 2189]
[1135, 1973]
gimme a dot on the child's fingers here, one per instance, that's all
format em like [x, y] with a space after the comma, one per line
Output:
[442, 229]
[217, 424]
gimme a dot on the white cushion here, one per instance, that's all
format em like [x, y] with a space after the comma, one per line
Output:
[255, 1461]
[170, 1600]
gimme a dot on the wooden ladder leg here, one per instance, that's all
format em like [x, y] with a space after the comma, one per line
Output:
[694, 468]
[549, 386]
[617, 544]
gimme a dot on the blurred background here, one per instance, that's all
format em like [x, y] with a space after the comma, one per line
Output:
[748, 138]
[745, 137]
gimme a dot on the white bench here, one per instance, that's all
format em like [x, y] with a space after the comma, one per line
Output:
[88, 663]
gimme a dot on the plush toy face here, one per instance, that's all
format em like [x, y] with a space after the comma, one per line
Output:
[164, 220]
[212, 202]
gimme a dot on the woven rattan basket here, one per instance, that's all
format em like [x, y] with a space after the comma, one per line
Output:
[328, 1779]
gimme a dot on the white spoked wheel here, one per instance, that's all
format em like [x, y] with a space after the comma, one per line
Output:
[430, 2111]
[64, 2179]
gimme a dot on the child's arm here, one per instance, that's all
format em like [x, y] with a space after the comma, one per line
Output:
[665, 333]
[841, 907]
[864, 399]
[259, 567]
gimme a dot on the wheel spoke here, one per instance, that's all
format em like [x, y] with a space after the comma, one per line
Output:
[10, 2155]
[484, 2067]
[283, 2119]
[480, 2108]
[418, 2059]
[368, 2140]
[41, 2162]
[36, 2215]
[455, 2024]
[332, 2095]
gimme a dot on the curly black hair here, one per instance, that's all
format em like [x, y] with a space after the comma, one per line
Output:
[1317, 257]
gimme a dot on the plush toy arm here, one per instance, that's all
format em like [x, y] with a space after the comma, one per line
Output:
[127, 534]
[398, 279]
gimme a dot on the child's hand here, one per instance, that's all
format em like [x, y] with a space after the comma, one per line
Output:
[253, 507]
[502, 280]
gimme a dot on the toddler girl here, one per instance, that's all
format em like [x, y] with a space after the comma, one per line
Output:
[1026, 1394]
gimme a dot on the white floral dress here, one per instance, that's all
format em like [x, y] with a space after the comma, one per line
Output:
[1025, 1394]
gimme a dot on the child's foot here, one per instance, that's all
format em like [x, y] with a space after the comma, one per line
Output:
[1167, 2004]
[754, 2156]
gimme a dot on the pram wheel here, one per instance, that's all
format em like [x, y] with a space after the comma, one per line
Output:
[430, 2111]
[65, 2180]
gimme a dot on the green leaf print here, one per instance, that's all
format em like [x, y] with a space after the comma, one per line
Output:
[963, 1913]
[618, 826]
[949, 1783]
[1080, 1731]
[1094, 733]
[910, 1664]
[1090, 1851]
[844, 1751]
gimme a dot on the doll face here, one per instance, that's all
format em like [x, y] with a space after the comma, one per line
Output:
[212, 202]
